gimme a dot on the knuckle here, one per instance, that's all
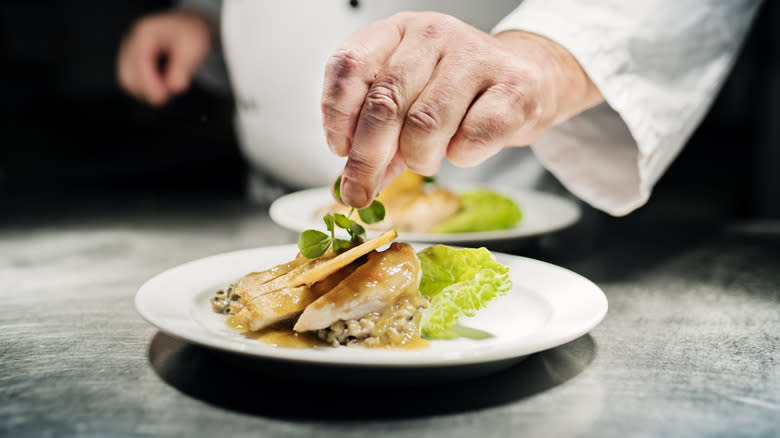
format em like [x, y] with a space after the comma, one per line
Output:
[341, 66]
[344, 63]
[521, 112]
[332, 111]
[437, 27]
[485, 132]
[422, 120]
[384, 101]
[332, 107]
[360, 166]
[514, 87]
[519, 87]
[439, 20]
[338, 123]
[520, 93]
[428, 24]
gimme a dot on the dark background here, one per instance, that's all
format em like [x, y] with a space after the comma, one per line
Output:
[67, 131]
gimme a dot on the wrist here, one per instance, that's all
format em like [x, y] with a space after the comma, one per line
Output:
[563, 80]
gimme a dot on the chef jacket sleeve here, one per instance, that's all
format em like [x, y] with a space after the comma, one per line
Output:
[658, 64]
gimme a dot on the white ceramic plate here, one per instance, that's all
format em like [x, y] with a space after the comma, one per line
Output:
[547, 307]
[542, 213]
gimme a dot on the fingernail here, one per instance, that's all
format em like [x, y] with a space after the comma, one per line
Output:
[353, 193]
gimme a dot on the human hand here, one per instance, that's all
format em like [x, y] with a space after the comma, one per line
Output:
[183, 39]
[407, 91]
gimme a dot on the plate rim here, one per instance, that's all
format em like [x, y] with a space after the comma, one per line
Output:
[385, 358]
[275, 212]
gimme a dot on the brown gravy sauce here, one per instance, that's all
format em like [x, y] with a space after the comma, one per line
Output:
[280, 334]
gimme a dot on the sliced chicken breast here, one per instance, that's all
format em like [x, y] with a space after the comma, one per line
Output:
[373, 286]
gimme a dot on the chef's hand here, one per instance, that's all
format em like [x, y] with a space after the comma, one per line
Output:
[407, 91]
[181, 39]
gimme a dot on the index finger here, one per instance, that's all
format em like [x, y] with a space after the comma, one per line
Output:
[348, 75]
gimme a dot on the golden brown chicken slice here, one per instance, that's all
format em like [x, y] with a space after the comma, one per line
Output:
[254, 280]
[373, 287]
[263, 310]
[308, 272]
[267, 309]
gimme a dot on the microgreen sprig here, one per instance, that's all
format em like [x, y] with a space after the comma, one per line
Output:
[314, 243]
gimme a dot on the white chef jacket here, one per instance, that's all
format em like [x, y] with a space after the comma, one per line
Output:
[658, 64]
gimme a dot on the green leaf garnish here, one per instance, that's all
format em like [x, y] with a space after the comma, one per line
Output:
[342, 221]
[328, 218]
[337, 188]
[313, 243]
[373, 213]
[356, 230]
[340, 245]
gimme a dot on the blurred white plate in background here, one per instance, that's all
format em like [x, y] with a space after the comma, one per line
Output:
[542, 213]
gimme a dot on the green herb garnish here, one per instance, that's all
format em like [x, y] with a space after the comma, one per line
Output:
[314, 243]
[373, 213]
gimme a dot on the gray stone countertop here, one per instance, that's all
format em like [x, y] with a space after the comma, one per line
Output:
[689, 346]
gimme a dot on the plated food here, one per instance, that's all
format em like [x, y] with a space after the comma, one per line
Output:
[546, 307]
[364, 296]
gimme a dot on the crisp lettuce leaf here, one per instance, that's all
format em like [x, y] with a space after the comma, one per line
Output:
[481, 210]
[459, 282]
